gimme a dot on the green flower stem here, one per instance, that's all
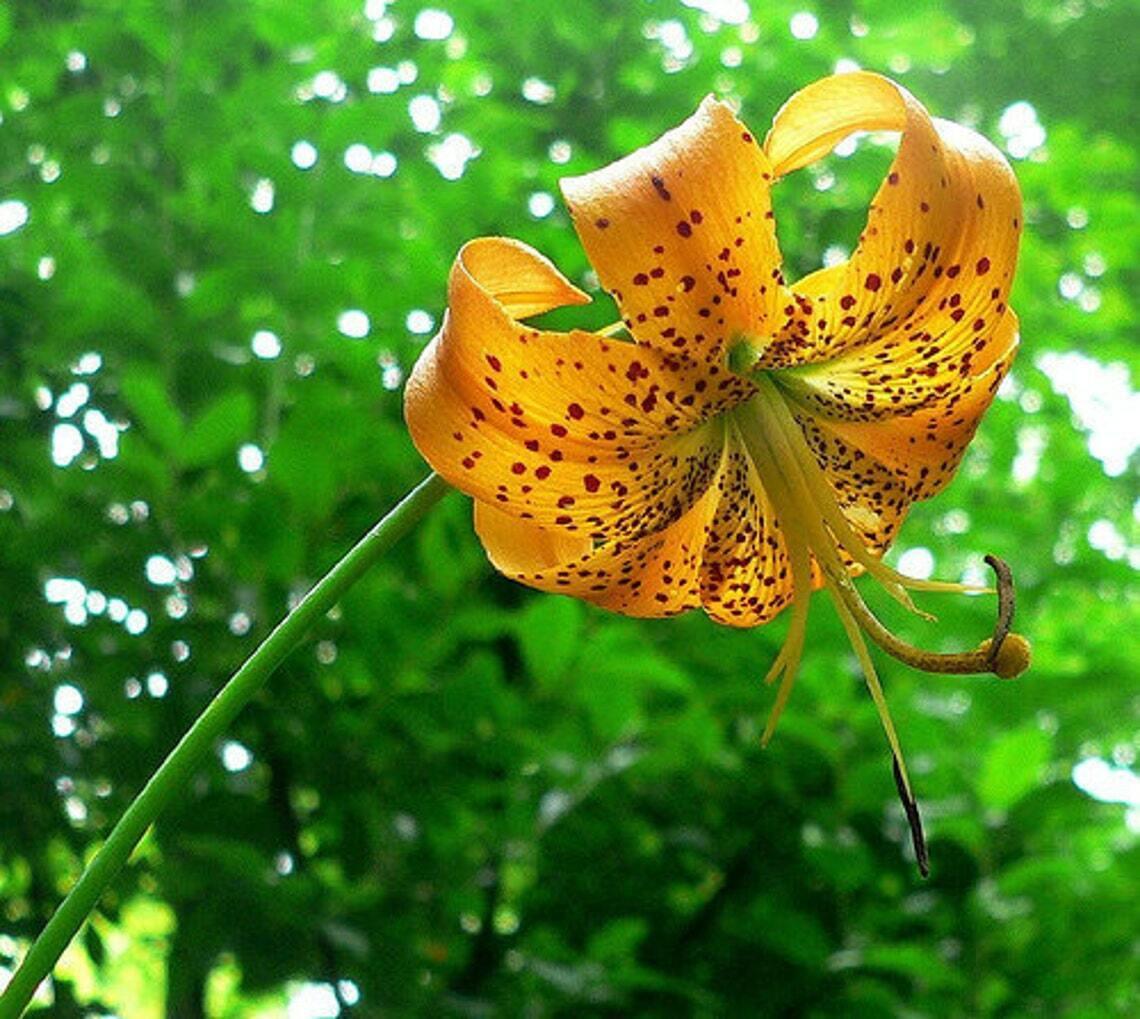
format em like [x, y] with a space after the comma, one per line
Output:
[209, 726]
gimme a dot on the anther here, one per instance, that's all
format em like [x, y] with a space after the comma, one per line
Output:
[1003, 654]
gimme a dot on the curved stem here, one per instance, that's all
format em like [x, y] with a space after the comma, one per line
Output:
[214, 720]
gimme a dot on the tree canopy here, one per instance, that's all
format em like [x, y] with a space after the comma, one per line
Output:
[225, 233]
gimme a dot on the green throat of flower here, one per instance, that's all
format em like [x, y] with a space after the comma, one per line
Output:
[815, 528]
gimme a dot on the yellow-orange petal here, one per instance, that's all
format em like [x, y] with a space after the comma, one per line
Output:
[923, 447]
[681, 233]
[939, 247]
[817, 118]
[727, 554]
[651, 577]
[746, 575]
[595, 437]
[871, 496]
[522, 280]
[519, 547]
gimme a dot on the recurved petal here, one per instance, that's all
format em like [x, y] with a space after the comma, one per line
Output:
[817, 118]
[940, 244]
[519, 547]
[653, 576]
[923, 445]
[727, 553]
[522, 280]
[681, 233]
[595, 438]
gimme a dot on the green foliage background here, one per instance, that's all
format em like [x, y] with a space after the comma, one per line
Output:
[464, 798]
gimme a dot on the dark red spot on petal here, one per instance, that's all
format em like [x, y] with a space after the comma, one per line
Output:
[575, 411]
[684, 229]
[872, 282]
[983, 266]
[518, 468]
[592, 483]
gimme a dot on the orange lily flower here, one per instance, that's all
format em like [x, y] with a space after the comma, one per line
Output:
[750, 440]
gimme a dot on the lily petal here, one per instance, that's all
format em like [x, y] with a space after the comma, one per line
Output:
[650, 577]
[681, 233]
[524, 281]
[727, 553]
[870, 495]
[746, 576]
[899, 351]
[939, 247]
[599, 438]
[923, 447]
[817, 118]
[517, 547]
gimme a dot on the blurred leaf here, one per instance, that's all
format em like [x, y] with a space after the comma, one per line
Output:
[219, 429]
[618, 940]
[147, 398]
[913, 961]
[550, 632]
[1012, 766]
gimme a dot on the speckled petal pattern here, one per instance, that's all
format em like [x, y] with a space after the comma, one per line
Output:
[681, 234]
[600, 438]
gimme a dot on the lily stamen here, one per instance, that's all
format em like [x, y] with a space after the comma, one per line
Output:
[815, 528]
[988, 657]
